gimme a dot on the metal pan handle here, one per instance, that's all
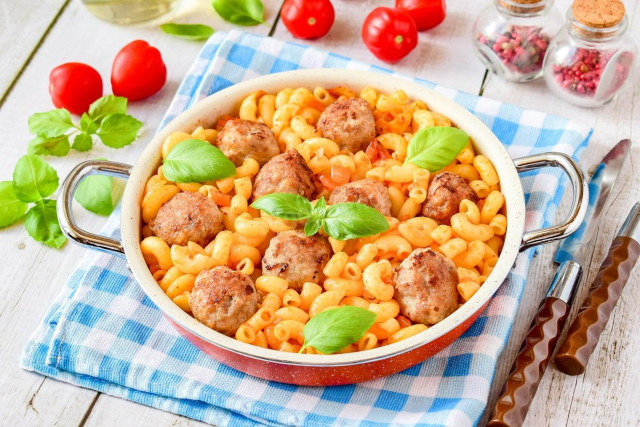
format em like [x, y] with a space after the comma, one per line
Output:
[578, 205]
[65, 201]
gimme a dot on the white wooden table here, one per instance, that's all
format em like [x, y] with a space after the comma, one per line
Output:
[37, 35]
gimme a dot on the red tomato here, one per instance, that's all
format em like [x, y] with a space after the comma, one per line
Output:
[307, 19]
[390, 34]
[426, 13]
[138, 71]
[74, 86]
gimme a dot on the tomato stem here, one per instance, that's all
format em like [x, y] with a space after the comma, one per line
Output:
[311, 21]
[398, 39]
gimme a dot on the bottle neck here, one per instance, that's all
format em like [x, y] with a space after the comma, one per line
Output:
[595, 34]
[523, 8]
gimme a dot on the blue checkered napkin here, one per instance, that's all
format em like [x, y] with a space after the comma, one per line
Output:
[104, 333]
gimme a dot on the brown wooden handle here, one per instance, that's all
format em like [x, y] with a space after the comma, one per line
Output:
[583, 336]
[527, 371]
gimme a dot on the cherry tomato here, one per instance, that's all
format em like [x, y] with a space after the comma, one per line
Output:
[138, 71]
[390, 34]
[426, 13]
[307, 19]
[74, 86]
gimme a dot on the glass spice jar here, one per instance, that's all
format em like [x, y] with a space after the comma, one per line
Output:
[590, 59]
[511, 37]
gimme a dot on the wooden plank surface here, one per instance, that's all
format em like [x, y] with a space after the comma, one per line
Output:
[603, 396]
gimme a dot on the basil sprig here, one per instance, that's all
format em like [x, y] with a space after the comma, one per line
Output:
[188, 31]
[11, 208]
[342, 221]
[434, 147]
[334, 329]
[240, 12]
[195, 160]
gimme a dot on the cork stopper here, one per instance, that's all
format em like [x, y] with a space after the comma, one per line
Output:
[598, 13]
[523, 6]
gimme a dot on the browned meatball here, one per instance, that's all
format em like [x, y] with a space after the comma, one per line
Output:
[446, 191]
[296, 257]
[426, 286]
[187, 217]
[243, 139]
[349, 123]
[365, 191]
[223, 299]
[285, 173]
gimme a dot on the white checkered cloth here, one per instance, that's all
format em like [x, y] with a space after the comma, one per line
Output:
[105, 334]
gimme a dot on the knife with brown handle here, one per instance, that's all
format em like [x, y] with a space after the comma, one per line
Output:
[583, 336]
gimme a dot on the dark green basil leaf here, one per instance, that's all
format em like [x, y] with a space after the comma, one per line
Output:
[11, 209]
[102, 107]
[56, 146]
[344, 221]
[240, 12]
[283, 205]
[195, 160]
[334, 329]
[33, 178]
[41, 223]
[188, 31]
[51, 123]
[118, 130]
[312, 226]
[87, 124]
[82, 142]
[95, 194]
[433, 148]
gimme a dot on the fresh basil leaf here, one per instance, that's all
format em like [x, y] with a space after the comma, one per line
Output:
[434, 147]
[320, 208]
[56, 146]
[87, 124]
[95, 194]
[344, 221]
[240, 12]
[195, 160]
[284, 205]
[334, 329]
[41, 223]
[102, 107]
[33, 178]
[82, 142]
[118, 130]
[188, 31]
[312, 226]
[51, 123]
[11, 209]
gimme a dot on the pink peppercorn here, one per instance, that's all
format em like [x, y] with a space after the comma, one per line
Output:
[520, 48]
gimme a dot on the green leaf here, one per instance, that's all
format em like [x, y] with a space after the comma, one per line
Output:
[284, 205]
[11, 209]
[334, 329]
[312, 226]
[344, 221]
[320, 208]
[95, 194]
[188, 31]
[118, 130]
[87, 124]
[41, 223]
[56, 146]
[33, 178]
[435, 147]
[51, 123]
[102, 107]
[240, 12]
[82, 142]
[195, 160]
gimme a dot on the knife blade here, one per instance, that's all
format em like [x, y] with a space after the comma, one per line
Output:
[531, 363]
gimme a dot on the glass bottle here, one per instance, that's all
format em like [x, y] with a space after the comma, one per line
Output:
[511, 37]
[129, 11]
[590, 59]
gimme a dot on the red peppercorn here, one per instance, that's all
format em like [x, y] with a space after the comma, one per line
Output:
[520, 48]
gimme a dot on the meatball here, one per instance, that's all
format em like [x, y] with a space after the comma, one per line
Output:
[243, 139]
[365, 191]
[285, 173]
[296, 257]
[223, 299]
[426, 286]
[187, 217]
[446, 191]
[349, 123]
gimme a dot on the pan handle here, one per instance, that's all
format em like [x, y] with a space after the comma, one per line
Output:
[578, 205]
[65, 201]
